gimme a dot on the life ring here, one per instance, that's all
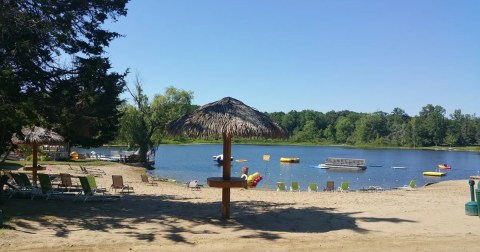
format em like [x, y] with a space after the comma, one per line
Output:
[244, 176]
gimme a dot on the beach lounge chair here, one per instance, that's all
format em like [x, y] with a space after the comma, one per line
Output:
[193, 184]
[281, 187]
[90, 189]
[295, 187]
[46, 188]
[118, 184]
[344, 187]
[330, 187]
[145, 180]
[313, 187]
[410, 186]
[67, 184]
[93, 171]
[4, 181]
[22, 184]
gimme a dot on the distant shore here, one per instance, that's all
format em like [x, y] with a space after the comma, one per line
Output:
[280, 142]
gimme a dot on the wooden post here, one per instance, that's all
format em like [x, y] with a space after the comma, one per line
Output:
[227, 154]
[34, 166]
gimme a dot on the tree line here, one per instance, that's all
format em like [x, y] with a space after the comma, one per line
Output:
[431, 127]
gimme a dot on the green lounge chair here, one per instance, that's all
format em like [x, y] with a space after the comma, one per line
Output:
[313, 187]
[281, 187]
[46, 188]
[410, 186]
[344, 187]
[90, 189]
[295, 187]
[22, 184]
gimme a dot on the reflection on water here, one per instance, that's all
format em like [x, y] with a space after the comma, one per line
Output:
[187, 162]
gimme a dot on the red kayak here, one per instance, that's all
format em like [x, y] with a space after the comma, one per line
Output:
[444, 166]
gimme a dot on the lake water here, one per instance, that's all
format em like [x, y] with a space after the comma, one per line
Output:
[187, 162]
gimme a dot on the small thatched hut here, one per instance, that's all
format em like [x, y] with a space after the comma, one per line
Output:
[227, 117]
[36, 136]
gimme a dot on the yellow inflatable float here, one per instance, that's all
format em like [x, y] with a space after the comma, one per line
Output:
[432, 173]
[253, 179]
[289, 160]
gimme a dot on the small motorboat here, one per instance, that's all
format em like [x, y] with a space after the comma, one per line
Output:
[289, 160]
[444, 166]
[320, 166]
[219, 159]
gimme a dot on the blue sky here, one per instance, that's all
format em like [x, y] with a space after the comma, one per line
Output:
[279, 55]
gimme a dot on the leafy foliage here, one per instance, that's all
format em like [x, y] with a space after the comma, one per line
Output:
[51, 68]
[143, 124]
[429, 128]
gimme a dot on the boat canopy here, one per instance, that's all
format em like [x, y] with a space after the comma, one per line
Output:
[345, 161]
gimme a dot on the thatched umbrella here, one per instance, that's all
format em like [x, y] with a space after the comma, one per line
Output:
[36, 136]
[227, 117]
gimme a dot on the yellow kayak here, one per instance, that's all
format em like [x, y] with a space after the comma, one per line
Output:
[432, 173]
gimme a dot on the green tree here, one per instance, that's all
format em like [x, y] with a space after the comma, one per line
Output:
[371, 127]
[461, 129]
[87, 107]
[37, 38]
[476, 138]
[398, 126]
[309, 133]
[416, 132]
[143, 124]
[344, 129]
[291, 122]
[434, 126]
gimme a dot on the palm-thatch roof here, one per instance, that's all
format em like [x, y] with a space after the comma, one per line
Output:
[227, 117]
[37, 135]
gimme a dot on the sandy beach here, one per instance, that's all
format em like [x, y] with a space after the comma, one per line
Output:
[169, 217]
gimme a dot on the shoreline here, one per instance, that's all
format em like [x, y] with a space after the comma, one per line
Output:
[432, 148]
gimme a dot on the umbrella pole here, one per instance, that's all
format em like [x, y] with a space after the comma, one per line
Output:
[227, 153]
[34, 167]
